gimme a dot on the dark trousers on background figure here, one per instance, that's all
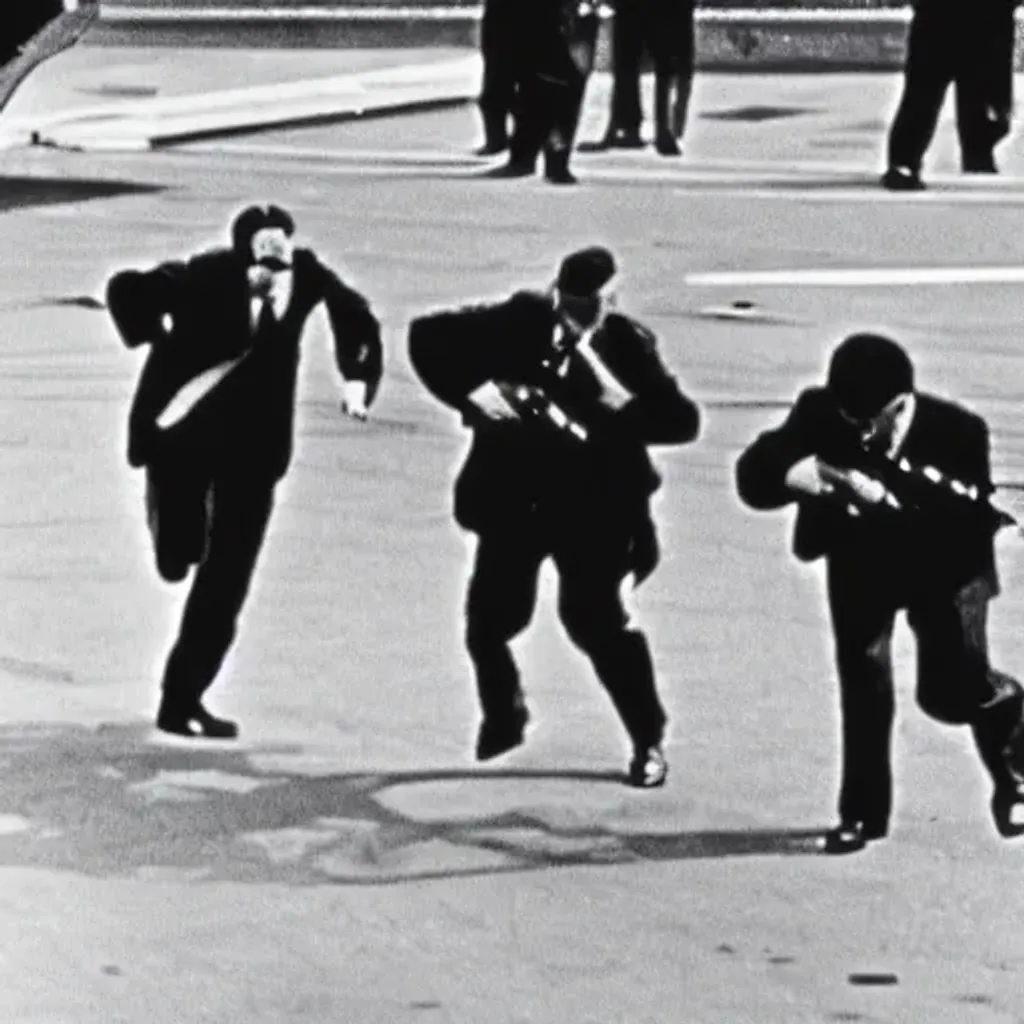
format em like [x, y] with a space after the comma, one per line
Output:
[501, 50]
[971, 47]
[217, 523]
[664, 29]
[551, 95]
[955, 684]
[500, 604]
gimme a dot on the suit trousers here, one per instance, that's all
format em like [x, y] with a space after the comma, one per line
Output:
[665, 30]
[500, 603]
[970, 46]
[551, 94]
[218, 523]
[501, 30]
[955, 682]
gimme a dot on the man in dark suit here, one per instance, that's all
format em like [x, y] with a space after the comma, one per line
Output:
[212, 420]
[563, 397]
[892, 488]
[557, 61]
[971, 46]
[664, 29]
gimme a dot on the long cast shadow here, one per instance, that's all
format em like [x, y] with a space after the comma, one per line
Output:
[111, 802]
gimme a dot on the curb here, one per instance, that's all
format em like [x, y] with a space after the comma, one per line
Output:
[148, 124]
[61, 33]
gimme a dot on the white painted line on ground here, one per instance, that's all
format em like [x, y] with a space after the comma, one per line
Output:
[869, 193]
[866, 277]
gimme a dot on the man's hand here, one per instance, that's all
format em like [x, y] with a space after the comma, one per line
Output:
[490, 402]
[856, 487]
[806, 477]
[353, 399]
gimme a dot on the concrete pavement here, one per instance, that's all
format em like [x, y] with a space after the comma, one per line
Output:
[159, 89]
[89, 97]
[346, 860]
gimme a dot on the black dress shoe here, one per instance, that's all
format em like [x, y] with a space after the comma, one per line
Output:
[613, 140]
[902, 179]
[624, 140]
[851, 836]
[560, 176]
[667, 145]
[498, 736]
[513, 169]
[648, 769]
[196, 723]
[1008, 811]
[492, 147]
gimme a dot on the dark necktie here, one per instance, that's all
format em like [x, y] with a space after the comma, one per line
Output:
[266, 321]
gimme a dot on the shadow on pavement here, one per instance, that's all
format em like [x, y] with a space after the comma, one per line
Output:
[18, 192]
[114, 802]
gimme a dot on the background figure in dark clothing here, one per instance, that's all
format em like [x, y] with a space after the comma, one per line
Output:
[558, 58]
[563, 398]
[664, 29]
[971, 46]
[212, 421]
[892, 487]
[501, 47]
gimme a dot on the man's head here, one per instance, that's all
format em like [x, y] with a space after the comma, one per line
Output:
[262, 236]
[583, 286]
[871, 379]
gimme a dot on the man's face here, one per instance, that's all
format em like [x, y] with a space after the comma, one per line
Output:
[581, 312]
[880, 427]
[272, 254]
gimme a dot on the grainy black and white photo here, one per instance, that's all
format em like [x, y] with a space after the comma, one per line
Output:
[514, 512]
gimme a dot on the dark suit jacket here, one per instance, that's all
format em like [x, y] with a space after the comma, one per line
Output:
[512, 470]
[945, 548]
[195, 315]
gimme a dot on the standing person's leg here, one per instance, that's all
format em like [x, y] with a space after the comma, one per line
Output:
[567, 103]
[572, 71]
[497, 92]
[176, 513]
[984, 86]
[957, 685]
[671, 43]
[592, 566]
[927, 74]
[500, 601]
[536, 98]
[240, 512]
[627, 56]
[863, 617]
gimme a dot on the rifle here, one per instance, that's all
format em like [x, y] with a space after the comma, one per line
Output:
[536, 407]
[921, 489]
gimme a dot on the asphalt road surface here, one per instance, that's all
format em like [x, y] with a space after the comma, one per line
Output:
[346, 861]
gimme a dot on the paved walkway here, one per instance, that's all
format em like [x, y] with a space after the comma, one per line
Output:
[125, 97]
[346, 861]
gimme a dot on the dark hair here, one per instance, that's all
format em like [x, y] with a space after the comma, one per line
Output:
[256, 218]
[866, 372]
[586, 272]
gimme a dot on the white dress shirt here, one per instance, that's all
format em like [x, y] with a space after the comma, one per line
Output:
[279, 296]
